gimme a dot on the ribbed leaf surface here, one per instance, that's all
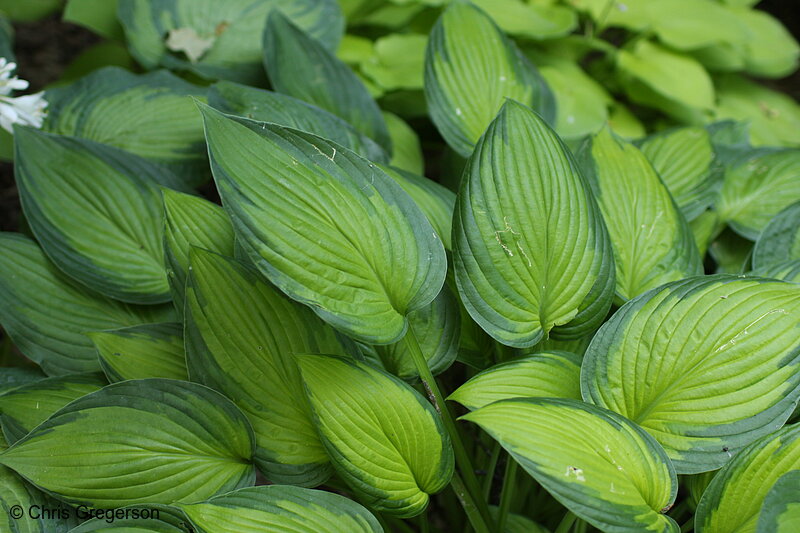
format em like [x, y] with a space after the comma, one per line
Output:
[139, 352]
[780, 240]
[780, 512]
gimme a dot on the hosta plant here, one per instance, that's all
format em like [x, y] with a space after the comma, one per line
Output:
[237, 304]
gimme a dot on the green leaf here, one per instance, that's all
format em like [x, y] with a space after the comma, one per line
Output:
[774, 117]
[779, 242]
[47, 315]
[757, 187]
[731, 252]
[684, 159]
[191, 221]
[281, 508]
[371, 424]
[397, 61]
[781, 510]
[96, 213]
[231, 32]
[530, 20]
[545, 374]
[434, 200]
[437, 327]
[531, 254]
[14, 492]
[373, 258]
[788, 271]
[631, 14]
[25, 407]
[687, 24]
[517, 523]
[670, 81]
[6, 39]
[471, 68]
[598, 464]
[268, 106]
[301, 67]
[148, 519]
[169, 441]
[706, 365]
[406, 148]
[651, 239]
[770, 51]
[705, 227]
[735, 496]
[241, 337]
[139, 352]
[150, 115]
[29, 11]
[99, 16]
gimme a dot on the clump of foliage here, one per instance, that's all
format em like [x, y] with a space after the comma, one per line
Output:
[587, 321]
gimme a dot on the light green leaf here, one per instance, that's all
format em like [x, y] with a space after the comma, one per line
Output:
[770, 50]
[362, 255]
[191, 221]
[170, 441]
[406, 148]
[99, 16]
[779, 242]
[652, 242]
[781, 510]
[577, 346]
[631, 14]
[734, 498]
[545, 374]
[624, 123]
[706, 365]
[301, 67]
[268, 106]
[705, 227]
[151, 518]
[435, 201]
[774, 117]
[16, 492]
[757, 187]
[687, 24]
[233, 28]
[397, 62]
[530, 20]
[372, 423]
[25, 407]
[670, 81]
[531, 254]
[281, 508]
[684, 159]
[471, 68]
[598, 464]
[47, 315]
[241, 337]
[695, 486]
[139, 352]
[788, 271]
[96, 212]
[150, 115]
[437, 327]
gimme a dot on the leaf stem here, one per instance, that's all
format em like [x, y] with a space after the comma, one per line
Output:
[688, 526]
[462, 458]
[473, 514]
[566, 522]
[508, 490]
[487, 483]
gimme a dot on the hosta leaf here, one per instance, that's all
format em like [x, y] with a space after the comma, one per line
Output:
[147, 519]
[362, 254]
[774, 117]
[437, 327]
[545, 374]
[99, 16]
[757, 187]
[734, 498]
[788, 271]
[281, 508]
[170, 441]
[139, 352]
[684, 159]
[96, 212]
[406, 148]
[268, 106]
[781, 510]
[706, 365]
[780, 240]
[731, 252]
[384, 439]
[577, 346]
[14, 492]
[531, 251]
[150, 115]
[12, 377]
[651, 239]
[230, 33]
[24, 408]
[471, 68]
[397, 61]
[241, 336]
[516, 523]
[705, 228]
[526, 19]
[632, 14]
[47, 315]
[685, 24]
[191, 221]
[598, 464]
[435, 201]
[299, 66]
[770, 50]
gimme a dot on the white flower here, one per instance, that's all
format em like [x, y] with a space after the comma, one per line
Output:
[27, 110]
